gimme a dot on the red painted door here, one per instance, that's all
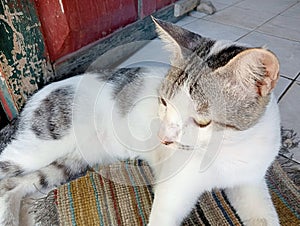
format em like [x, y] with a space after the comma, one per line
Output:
[68, 25]
[71, 24]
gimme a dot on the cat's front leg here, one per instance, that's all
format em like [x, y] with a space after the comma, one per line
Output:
[253, 204]
[10, 199]
[175, 197]
[172, 203]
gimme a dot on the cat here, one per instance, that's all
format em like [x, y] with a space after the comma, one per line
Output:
[219, 128]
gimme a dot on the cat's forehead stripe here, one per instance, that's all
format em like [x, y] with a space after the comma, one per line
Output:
[221, 58]
[181, 75]
[219, 46]
[205, 48]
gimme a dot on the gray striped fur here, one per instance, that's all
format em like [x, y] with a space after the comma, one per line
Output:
[200, 66]
[52, 119]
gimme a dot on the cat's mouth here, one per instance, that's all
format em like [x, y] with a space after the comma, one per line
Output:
[167, 142]
[179, 146]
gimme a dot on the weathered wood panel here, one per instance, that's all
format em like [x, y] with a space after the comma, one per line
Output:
[141, 30]
[69, 25]
[162, 3]
[147, 7]
[23, 58]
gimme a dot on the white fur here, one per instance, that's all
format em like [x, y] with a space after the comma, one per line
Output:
[239, 165]
[219, 46]
[237, 160]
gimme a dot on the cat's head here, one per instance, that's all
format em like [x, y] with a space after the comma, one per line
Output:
[212, 85]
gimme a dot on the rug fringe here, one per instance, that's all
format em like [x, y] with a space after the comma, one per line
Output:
[291, 168]
[44, 210]
[289, 140]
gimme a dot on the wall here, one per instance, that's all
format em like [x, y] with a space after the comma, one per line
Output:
[68, 25]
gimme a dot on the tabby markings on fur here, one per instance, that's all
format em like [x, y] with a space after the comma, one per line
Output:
[219, 128]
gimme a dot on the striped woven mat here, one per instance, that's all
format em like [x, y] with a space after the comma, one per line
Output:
[95, 200]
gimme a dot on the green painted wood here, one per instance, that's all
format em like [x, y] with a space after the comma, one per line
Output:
[6, 100]
[23, 57]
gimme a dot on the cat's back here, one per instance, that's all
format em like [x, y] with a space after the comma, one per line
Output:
[119, 87]
[114, 108]
[107, 85]
[85, 108]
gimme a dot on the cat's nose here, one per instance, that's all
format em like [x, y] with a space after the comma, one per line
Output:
[165, 142]
[168, 134]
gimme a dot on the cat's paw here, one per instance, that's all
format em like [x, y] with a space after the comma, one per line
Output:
[7, 218]
[9, 203]
[256, 222]
[8, 214]
[6, 186]
[261, 222]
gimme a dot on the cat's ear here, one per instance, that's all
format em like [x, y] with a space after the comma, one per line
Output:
[256, 66]
[178, 40]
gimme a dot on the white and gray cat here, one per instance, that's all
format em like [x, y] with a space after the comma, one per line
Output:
[219, 128]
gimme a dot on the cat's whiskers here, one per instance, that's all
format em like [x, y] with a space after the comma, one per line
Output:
[184, 147]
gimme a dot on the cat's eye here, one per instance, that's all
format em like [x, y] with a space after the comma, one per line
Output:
[202, 123]
[162, 100]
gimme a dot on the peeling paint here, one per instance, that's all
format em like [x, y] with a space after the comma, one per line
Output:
[61, 6]
[23, 59]
[2, 78]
